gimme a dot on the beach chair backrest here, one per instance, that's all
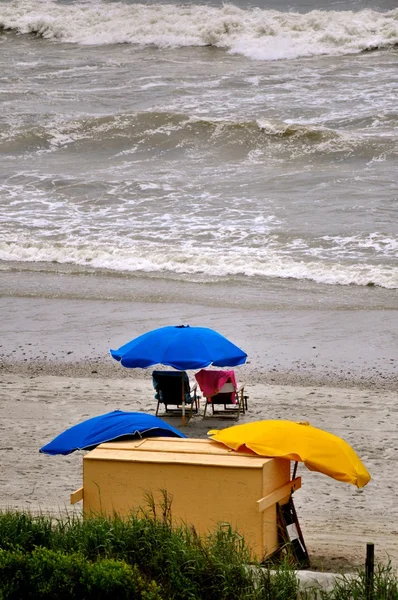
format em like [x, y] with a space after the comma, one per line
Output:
[227, 388]
[217, 386]
[168, 386]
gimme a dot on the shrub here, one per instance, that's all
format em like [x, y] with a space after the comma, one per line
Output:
[47, 574]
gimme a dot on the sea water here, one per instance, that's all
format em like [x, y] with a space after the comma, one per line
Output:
[249, 145]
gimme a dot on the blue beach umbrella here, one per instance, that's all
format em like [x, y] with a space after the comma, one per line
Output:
[105, 428]
[181, 347]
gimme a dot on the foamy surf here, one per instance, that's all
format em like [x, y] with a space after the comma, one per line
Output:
[192, 261]
[254, 33]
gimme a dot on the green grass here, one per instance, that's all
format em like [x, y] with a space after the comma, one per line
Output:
[145, 557]
[385, 587]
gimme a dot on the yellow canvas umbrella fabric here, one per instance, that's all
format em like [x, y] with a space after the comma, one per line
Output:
[319, 450]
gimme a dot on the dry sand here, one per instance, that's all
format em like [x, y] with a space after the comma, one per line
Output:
[335, 365]
[337, 519]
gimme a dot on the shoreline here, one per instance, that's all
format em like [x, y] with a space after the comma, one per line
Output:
[102, 368]
[342, 348]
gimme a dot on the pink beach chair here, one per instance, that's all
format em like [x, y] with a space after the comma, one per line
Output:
[222, 393]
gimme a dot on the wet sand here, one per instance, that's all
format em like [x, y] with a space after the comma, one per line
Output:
[336, 369]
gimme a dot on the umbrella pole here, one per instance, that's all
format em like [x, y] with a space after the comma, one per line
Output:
[294, 470]
[183, 399]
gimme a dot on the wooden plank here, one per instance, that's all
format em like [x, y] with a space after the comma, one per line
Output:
[141, 456]
[76, 496]
[179, 445]
[278, 494]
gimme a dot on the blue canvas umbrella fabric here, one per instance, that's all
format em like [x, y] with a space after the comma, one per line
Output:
[181, 347]
[105, 428]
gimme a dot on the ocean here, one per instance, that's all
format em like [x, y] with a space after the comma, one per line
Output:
[252, 146]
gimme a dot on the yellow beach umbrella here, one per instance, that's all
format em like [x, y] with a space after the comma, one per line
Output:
[319, 450]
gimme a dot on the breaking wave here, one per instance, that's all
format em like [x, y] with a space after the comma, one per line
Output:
[151, 132]
[193, 262]
[255, 33]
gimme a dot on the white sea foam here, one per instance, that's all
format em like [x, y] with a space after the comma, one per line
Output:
[191, 261]
[375, 242]
[254, 33]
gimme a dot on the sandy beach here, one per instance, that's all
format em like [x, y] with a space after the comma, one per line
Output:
[56, 371]
[230, 166]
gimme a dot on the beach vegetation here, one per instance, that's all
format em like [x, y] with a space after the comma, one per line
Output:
[176, 560]
[383, 586]
[146, 557]
[49, 574]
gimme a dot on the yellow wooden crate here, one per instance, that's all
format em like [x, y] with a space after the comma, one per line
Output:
[208, 484]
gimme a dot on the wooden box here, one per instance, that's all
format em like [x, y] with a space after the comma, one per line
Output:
[207, 483]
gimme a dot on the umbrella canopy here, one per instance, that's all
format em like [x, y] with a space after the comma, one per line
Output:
[317, 449]
[181, 347]
[108, 427]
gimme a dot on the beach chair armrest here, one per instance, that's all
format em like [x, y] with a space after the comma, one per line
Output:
[242, 396]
